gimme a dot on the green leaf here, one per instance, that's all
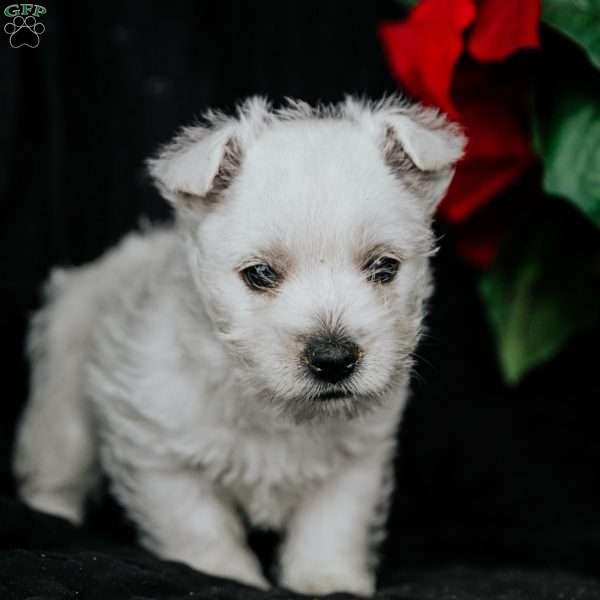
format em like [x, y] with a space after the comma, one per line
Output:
[578, 20]
[567, 137]
[543, 289]
[407, 5]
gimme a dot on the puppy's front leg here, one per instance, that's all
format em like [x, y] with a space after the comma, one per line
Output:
[183, 516]
[328, 543]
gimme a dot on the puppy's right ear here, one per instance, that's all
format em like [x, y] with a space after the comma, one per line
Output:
[197, 166]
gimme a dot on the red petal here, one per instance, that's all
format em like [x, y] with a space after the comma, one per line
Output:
[423, 50]
[479, 249]
[495, 158]
[493, 107]
[478, 239]
[503, 27]
[490, 102]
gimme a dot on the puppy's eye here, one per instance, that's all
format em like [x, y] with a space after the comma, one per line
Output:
[381, 269]
[260, 277]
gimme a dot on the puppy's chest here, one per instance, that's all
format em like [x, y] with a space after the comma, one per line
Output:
[266, 474]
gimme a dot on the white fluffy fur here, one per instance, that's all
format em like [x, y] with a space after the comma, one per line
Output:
[159, 366]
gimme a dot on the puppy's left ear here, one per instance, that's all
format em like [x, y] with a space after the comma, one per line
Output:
[422, 147]
[197, 167]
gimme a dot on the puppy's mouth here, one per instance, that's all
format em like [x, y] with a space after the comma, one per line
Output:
[333, 395]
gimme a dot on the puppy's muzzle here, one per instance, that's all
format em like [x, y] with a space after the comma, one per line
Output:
[331, 359]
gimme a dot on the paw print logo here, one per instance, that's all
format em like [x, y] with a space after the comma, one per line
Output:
[24, 31]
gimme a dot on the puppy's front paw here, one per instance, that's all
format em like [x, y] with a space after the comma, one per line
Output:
[229, 563]
[242, 574]
[322, 579]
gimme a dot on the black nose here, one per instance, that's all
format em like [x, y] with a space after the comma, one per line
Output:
[331, 359]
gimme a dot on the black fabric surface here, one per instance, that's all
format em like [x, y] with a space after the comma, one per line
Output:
[498, 490]
[58, 561]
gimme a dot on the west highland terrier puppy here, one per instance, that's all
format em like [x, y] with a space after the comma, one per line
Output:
[249, 365]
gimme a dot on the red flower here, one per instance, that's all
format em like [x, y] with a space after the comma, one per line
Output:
[492, 101]
[503, 27]
[427, 52]
[424, 49]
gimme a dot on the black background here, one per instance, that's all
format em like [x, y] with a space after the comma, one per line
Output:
[486, 475]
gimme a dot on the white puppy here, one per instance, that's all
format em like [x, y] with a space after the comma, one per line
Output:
[249, 365]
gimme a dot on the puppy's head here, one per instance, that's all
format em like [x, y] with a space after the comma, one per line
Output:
[308, 235]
